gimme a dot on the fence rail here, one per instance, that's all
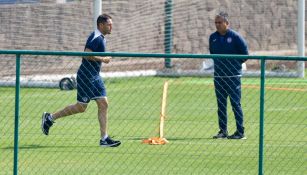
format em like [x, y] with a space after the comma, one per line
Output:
[262, 93]
[151, 55]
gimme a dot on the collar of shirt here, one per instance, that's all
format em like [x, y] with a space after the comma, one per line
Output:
[222, 38]
[97, 34]
[227, 32]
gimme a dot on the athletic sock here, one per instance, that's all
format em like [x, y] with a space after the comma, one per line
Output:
[50, 118]
[104, 137]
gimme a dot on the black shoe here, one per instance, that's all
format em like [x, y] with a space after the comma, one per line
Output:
[108, 142]
[46, 123]
[237, 135]
[221, 135]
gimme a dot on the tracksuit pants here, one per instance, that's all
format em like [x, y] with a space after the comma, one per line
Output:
[229, 87]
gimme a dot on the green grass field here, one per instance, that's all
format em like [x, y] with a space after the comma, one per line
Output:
[191, 121]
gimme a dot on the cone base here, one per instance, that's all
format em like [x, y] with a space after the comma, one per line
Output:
[155, 141]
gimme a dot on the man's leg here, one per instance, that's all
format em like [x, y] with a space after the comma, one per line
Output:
[105, 141]
[102, 104]
[235, 99]
[221, 97]
[48, 119]
[70, 110]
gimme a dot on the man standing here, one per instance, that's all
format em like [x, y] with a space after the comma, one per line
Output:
[227, 74]
[90, 86]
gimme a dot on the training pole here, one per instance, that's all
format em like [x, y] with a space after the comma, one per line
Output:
[160, 140]
[163, 109]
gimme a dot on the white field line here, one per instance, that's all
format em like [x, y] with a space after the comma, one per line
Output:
[287, 109]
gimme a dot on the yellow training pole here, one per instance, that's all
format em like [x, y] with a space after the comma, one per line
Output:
[163, 109]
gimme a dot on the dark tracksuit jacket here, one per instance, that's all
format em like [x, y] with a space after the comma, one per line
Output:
[227, 75]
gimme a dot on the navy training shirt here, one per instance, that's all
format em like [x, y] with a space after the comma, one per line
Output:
[230, 43]
[89, 69]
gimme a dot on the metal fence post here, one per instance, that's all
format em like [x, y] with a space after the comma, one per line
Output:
[168, 33]
[17, 97]
[261, 129]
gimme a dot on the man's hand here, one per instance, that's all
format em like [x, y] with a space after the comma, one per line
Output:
[106, 59]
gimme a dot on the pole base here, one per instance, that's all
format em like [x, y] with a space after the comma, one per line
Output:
[155, 141]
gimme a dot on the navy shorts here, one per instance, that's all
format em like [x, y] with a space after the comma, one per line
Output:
[90, 89]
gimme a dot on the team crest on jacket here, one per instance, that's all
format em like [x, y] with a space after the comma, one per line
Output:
[229, 40]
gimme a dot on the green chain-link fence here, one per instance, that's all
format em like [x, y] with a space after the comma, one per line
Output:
[72, 146]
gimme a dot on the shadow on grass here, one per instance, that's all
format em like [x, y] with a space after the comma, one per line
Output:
[175, 138]
[37, 146]
[26, 147]
[29, 147]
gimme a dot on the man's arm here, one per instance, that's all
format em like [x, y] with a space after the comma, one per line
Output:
[210, 49]
[243, 48]
[96, 58]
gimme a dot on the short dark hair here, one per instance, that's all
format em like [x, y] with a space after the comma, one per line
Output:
[223, 15]
[103, 18]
